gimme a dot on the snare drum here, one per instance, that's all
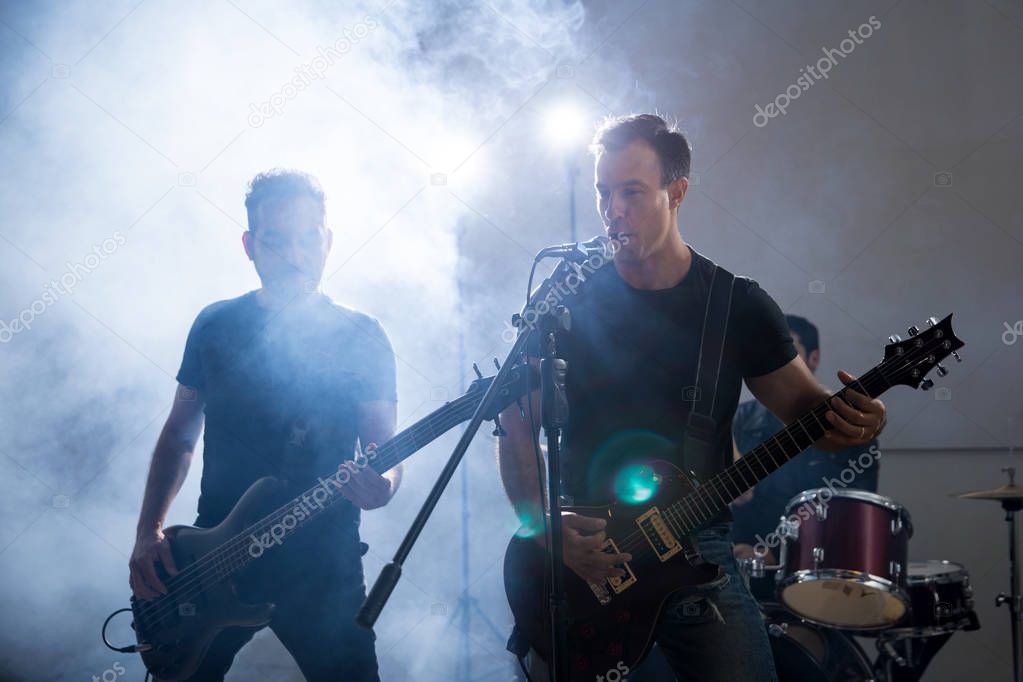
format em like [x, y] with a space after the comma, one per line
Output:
[843, 559]
[941, 600]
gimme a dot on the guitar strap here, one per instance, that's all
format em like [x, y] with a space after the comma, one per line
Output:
[698, 454]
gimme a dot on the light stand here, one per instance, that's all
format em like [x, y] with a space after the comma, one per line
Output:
[468, 604]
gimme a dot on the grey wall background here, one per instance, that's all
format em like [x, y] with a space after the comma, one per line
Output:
[887, 193]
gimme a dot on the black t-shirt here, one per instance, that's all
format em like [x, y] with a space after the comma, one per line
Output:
[281, 391]
[632, 354]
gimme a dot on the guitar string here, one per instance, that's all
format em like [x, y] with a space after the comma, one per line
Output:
[682, 517]
[221, 557]
[676, 511]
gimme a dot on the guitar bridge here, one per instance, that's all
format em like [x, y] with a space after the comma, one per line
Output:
[657, 533]
[618, 584]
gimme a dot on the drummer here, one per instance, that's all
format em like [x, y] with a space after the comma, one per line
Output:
[757, 512]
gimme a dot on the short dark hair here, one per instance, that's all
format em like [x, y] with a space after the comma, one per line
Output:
[282, 183]
[806, 330]
[672, 147]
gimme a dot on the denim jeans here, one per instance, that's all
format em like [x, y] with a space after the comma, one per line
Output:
[715, 634]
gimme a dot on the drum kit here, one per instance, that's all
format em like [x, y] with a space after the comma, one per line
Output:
[843, 576]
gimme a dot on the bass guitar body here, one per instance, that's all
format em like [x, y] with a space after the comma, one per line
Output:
[179, 626]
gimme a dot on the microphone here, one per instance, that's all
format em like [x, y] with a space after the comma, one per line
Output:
[580, 252]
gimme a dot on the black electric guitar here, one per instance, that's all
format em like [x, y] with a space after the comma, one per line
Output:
[174, 631]
[611, 624]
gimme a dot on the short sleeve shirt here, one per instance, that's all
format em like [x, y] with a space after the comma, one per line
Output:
[632, 355]
[281, 391]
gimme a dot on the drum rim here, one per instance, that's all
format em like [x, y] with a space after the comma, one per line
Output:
[849, 493]
[774, 610]
[809, 575]
[940, 579]
[928, 631]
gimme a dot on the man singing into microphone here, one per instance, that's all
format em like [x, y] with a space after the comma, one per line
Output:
[287, 382]
[632, 357]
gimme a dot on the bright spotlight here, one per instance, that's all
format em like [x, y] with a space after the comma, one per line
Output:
[565, 124]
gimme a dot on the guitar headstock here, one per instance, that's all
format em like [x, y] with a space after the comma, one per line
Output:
[514, 387]
[908, 361]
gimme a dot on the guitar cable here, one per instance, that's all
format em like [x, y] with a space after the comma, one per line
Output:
[537, 455]
[131, 649]
[134, 648]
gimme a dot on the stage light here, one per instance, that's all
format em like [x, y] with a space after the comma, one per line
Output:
[565, 124]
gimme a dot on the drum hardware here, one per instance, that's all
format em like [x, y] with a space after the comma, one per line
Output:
[820, 511]
[789, 529]
[885, 647]
[1011, 498]
[755, 566]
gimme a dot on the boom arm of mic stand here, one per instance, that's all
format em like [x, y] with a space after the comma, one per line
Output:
[388, 578]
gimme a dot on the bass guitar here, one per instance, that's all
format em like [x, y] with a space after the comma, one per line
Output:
[175, 630]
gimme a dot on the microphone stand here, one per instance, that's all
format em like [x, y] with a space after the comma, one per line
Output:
[538, 308]
[554, 416]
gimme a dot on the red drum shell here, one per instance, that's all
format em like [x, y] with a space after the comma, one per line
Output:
[846, 566]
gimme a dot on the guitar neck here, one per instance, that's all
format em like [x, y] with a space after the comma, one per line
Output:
[326, 493]
[279, 525]
[423, 432]
[713, 496]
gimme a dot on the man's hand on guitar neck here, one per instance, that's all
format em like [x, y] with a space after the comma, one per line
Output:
[583, 541]
[366, 488]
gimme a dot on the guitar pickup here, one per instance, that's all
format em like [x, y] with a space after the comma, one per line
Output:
[657, 533]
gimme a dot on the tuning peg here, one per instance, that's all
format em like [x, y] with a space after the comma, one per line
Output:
[497, 365]
[476, 368]
[931, 321]
[914, 330]
[926, 384]
[955, 354]
[894, 338]
[942, 371]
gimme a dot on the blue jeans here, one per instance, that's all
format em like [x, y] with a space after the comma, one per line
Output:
[715, 634]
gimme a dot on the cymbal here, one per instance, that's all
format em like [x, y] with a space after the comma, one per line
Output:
[1006, 492]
